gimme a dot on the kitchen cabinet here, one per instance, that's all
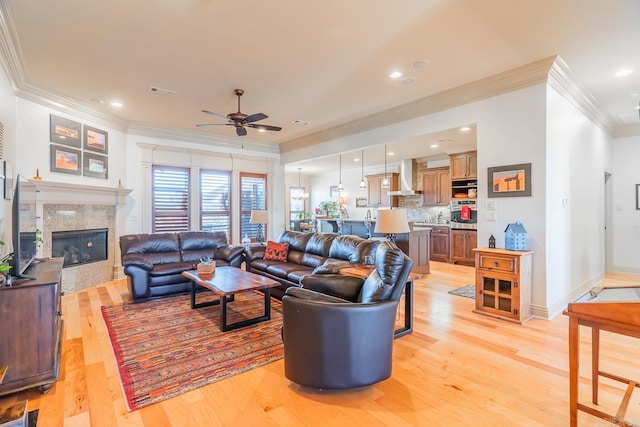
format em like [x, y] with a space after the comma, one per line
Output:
[377, 195]
[464, 165]
[436, 187]
[419, 252]
[462, 244]
[464, 173]
[439, 250]
[503, 283]
[31, 332]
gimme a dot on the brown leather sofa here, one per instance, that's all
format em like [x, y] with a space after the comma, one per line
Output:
[338, 330]
[309, 253]
[154, 263]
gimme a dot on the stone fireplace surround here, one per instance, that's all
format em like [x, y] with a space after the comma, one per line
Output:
[66, 207]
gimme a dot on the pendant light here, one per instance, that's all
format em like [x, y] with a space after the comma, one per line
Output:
[340, 186]
[385, 181]
[362, 183]
[304, 195]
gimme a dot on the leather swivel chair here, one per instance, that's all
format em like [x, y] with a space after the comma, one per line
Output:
[338, 330]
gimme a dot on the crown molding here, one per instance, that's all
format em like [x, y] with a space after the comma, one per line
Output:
[517, 78]
[10, 57]
[562, 79]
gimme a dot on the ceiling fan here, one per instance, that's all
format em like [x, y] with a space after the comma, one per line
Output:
[240, 120]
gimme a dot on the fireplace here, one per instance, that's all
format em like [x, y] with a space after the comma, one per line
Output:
[80, 246]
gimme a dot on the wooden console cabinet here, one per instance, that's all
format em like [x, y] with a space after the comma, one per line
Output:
[503, 283]
[31, 328]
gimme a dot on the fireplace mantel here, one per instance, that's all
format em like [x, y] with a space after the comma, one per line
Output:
[64, 207]
[60, 192]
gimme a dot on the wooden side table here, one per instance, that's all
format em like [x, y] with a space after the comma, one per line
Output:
[615, 310]
[365, 270]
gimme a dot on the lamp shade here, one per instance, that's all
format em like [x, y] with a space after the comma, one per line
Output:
[392, 221]
[259, 217]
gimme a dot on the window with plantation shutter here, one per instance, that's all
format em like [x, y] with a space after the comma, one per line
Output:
[215, 201]
[253, 196]
[170, 199]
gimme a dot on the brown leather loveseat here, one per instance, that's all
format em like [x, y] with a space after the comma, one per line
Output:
[308, 253]
[154, 263]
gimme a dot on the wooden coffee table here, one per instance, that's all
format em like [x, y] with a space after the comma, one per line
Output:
[226, 282]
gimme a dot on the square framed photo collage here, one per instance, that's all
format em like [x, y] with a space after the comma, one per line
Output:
[78, 149]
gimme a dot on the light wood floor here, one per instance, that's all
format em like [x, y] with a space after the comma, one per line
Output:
[456, 369]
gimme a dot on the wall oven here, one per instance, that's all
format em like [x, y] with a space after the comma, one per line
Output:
[464, 214]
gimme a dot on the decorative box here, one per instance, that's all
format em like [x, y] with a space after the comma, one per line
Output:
[206, 269]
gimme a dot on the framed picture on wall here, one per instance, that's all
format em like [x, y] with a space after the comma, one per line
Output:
[96, 140]
[509, 181]
[95, 165]
[65, 131]
[333, 192]
[66, 160]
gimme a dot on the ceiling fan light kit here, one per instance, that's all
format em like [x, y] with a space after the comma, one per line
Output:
[240, 120]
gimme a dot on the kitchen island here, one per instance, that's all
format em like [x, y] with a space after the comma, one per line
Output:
[416, 243]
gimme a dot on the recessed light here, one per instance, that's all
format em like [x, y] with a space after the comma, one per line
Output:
[465, 129]
[116, 104]
[635, 108]
[409, 80]
[423, 63]
[623, 72]
[390, 153]
[434, 146]
[395, 75]
[357, 159]
[263, 130]
[299, 122]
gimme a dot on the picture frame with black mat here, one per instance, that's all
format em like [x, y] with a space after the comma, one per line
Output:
[95, 139]
[66, 160]
[95, 165]
[509, 181]
[65, 131]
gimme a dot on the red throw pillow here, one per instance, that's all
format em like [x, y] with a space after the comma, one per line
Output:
[276, 251]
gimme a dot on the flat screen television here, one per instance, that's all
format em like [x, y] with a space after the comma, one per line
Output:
[23, 226]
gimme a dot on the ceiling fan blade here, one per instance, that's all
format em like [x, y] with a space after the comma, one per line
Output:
[212, 124]
[265, 127]
[241, 131]
[226, 119]
[255, 117]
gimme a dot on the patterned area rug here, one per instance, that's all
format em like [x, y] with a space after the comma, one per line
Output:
[163, 348]
[468, 291]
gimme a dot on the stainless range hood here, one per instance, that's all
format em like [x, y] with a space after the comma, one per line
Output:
[408, 178]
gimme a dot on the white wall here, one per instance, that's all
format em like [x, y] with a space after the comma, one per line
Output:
[8, 119]
[626, 219]
[577, 158]
[568, 154]
[28, 143]
[142, 152]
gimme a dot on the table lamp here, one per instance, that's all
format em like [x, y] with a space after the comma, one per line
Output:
[391, 222]
[259, 217]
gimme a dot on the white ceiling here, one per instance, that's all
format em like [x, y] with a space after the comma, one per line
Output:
[326, 63]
